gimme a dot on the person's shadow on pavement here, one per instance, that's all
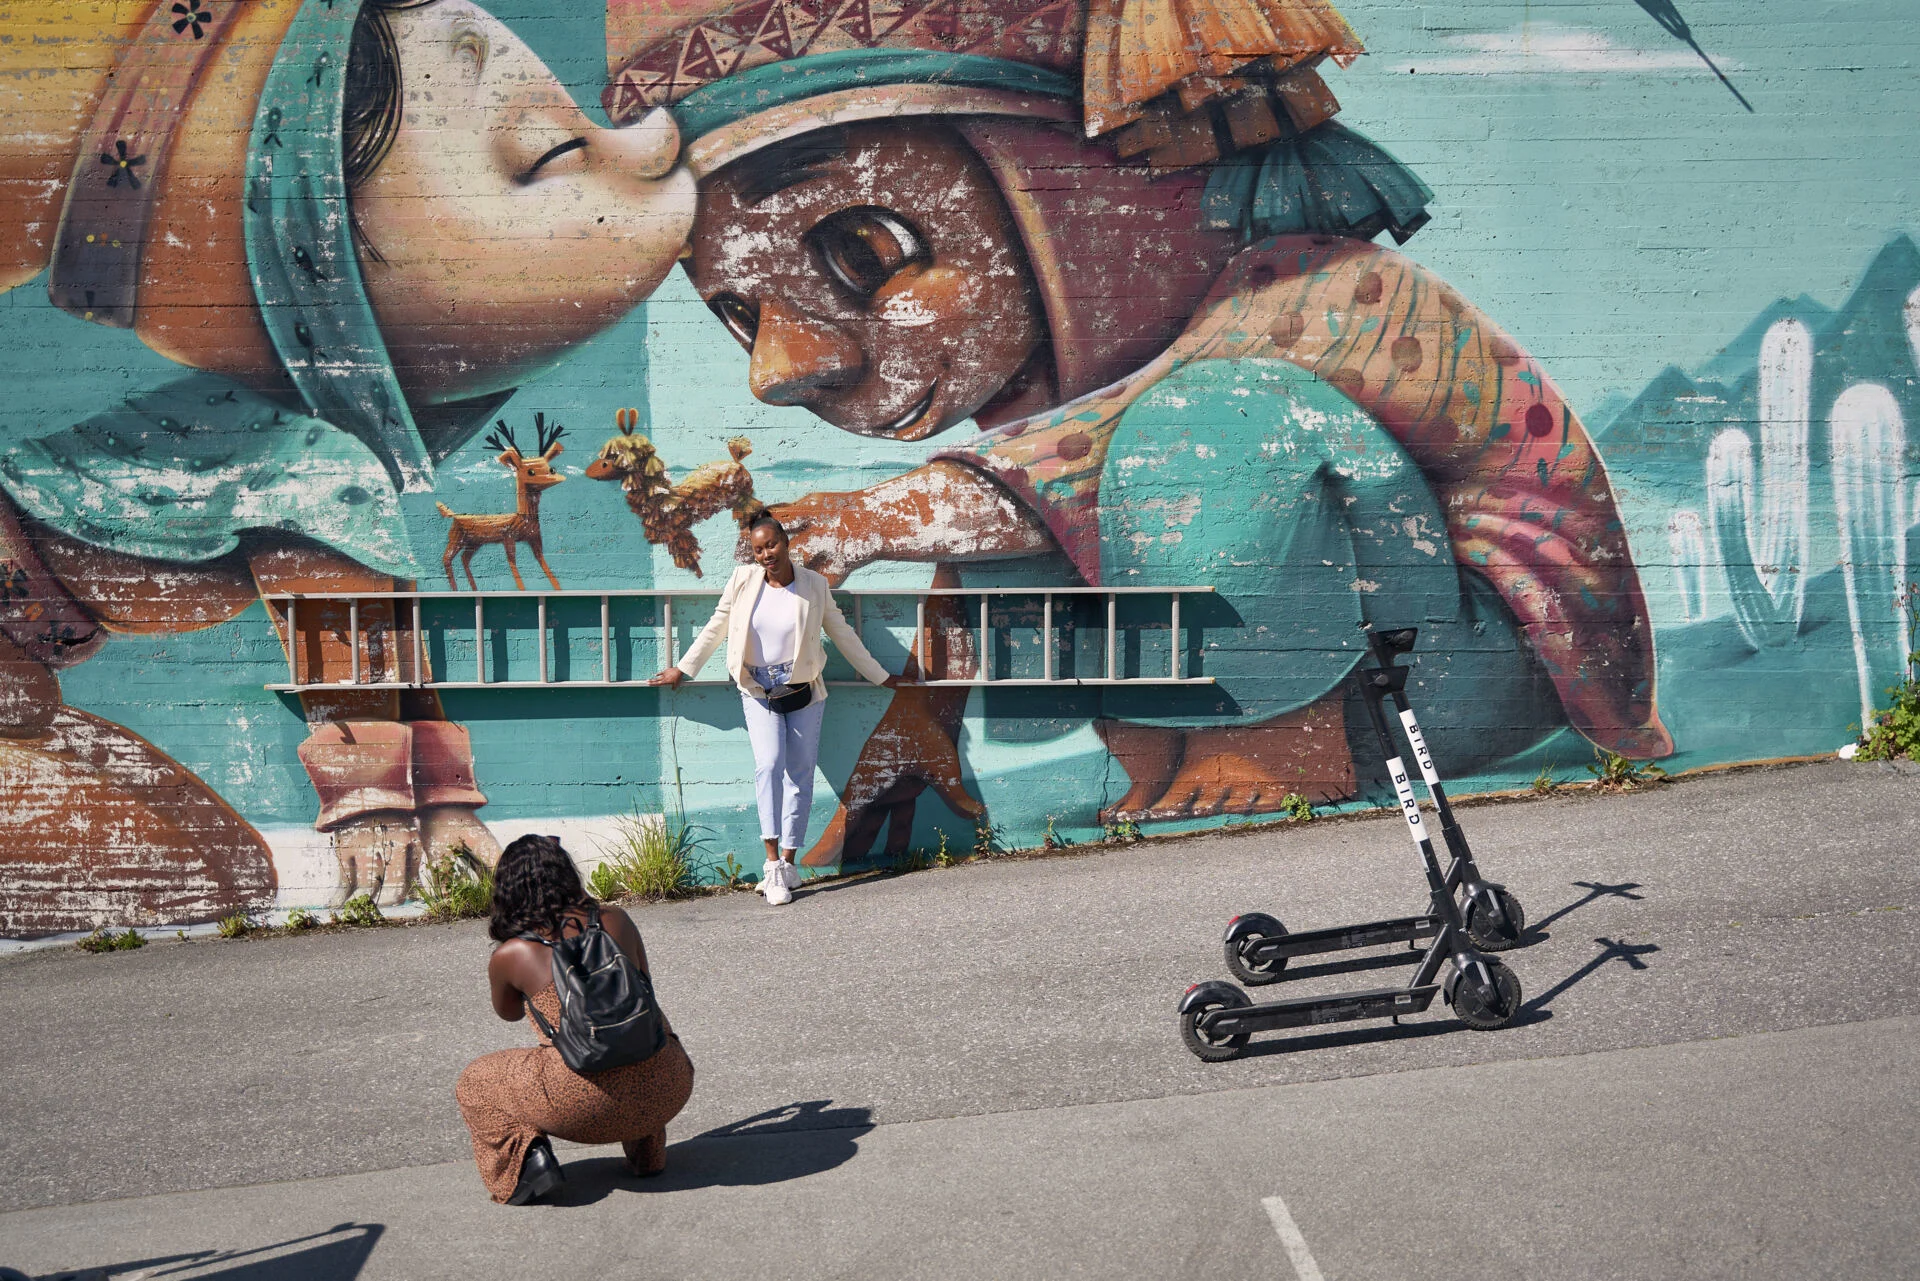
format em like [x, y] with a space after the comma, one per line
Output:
[337, 1254]
[783, 1143]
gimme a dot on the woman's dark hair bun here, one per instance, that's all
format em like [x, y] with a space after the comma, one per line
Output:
[759, 518]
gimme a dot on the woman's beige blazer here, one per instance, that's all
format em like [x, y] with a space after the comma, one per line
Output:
[733, 617]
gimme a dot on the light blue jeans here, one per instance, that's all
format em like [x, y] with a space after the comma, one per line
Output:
[785, 749]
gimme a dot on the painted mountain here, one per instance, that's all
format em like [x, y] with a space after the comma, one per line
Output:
[1770, 498]
[1667, 430]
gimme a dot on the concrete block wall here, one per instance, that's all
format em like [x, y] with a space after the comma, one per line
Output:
[1581, 336]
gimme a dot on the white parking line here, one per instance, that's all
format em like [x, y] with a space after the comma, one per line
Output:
[1296, 1245]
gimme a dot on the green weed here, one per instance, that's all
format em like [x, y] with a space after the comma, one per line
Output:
[604, 883]
[987, 839]
[457, 886]
[1894, 731]
[359, 910]
[1613, 772]
[732, 874]
[105, 940]
[1544, 783]
[914, 860]
[300, 919]
[1125, 831]
[651, 857]
[944, 857]
[1052, 840]
[1296, 807]
[237, 926]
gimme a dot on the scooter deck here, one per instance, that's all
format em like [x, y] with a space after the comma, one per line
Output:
[1344, 938]
[1307, 1011]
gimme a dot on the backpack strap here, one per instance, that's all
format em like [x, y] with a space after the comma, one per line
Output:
[540, 1019]
[593, 921]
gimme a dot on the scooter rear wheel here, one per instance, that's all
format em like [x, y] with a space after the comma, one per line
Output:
[1487, 931]
[1252, 973]
[1471, 1003]
[1214, 1050]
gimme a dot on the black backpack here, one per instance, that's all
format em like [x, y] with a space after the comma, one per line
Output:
[608, 1015]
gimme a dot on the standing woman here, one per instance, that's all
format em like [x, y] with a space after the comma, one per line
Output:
[772, 613]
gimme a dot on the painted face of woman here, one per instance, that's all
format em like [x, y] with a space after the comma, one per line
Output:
[504, 227]
[874, 274]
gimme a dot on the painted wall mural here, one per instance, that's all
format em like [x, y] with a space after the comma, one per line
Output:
[303, 296]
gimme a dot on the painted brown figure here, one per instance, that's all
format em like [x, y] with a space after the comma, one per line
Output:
[1317, 424]
[890, 315]
[468, 534]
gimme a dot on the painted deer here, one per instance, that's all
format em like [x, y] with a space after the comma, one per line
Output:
[668, 512]
[521, 525]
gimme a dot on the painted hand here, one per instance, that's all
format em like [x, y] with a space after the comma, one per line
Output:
[829, 532]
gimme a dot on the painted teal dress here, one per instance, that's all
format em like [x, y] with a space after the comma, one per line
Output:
[1310, 522]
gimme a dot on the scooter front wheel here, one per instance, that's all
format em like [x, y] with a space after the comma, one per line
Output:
[1246, 931]
[1479, 1008]
[1214, 1049]
[1488, 932]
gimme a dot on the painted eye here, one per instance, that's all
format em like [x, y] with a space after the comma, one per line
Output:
[863, 248]
[532, 173]
[741, 317]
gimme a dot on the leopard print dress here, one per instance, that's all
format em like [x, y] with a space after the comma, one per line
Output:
[511, 1097]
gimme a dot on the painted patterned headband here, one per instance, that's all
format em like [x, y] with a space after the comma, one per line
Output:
[1175, 80]
[770, 103]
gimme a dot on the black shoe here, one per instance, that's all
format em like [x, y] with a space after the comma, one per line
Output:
[539, 1173]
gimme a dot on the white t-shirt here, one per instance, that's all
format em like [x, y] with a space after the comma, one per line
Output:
[775, 627]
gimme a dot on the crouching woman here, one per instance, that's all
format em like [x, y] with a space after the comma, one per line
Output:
[513, 1100]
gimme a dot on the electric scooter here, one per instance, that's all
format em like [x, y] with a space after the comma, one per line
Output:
[1258, 946]
[1217, 1019]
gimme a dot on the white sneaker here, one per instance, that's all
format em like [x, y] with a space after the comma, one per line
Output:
[773, 882]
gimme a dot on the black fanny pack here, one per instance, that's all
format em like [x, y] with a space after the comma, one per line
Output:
[788, 699]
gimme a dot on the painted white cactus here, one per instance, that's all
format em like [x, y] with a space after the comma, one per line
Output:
[1687, 538]
[1764, 552]
[1913, 323]
[1869, 502]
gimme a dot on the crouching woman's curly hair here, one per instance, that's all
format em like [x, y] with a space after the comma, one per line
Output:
[534, 886]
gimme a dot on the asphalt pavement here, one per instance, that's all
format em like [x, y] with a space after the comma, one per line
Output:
[977, 1072]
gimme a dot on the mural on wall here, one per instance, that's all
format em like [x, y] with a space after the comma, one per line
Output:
[1029, 293]
[1191, 364]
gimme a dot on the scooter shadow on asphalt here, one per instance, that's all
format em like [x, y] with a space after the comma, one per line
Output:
[783, 1143]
